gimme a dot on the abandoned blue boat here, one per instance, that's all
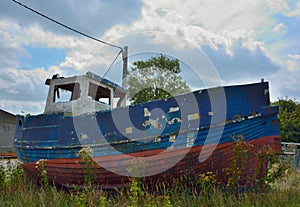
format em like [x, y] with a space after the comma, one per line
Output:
[185, 135]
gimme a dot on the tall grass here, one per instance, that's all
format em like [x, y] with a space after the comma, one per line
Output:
[17, 190]
[22, 192]
[279, 186]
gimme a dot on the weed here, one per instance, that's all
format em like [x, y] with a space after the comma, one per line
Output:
[79, 197]
[135, 191]
[2, 175]
[90, 167]
[102, 200]
[208, 178]
[41, 166]
[237, 166]
[17, 174]
[271, 167]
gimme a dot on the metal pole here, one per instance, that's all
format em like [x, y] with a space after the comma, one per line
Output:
[125, 70]
[125, 73]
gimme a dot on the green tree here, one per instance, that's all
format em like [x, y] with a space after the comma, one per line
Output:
[289, 117]
[155, 78]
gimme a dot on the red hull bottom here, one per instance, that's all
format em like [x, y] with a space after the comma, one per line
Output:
[73, 171]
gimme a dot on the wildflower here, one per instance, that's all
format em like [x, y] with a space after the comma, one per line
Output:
[85, 151]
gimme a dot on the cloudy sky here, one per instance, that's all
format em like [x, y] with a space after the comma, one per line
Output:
[222, 42]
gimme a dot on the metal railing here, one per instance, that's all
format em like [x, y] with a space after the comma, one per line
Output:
[7, 152]
[290, 149]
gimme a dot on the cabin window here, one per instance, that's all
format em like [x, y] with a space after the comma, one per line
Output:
[66, 92]
[99, 94]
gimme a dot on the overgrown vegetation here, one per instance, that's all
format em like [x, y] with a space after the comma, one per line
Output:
[289, 116]
[278, 186]
[156, 78]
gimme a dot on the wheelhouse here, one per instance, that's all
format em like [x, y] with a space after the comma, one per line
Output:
[83, 94]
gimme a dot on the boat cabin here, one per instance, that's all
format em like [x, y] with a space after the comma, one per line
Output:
[83, 94]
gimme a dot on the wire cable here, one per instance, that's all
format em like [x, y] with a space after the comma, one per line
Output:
[67, 27]
[112, 63]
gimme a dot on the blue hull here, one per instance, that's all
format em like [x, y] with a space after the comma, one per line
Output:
[63, 132]
[248, 114]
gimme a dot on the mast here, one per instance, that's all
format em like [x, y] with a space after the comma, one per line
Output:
[125, 74]
[125, 70]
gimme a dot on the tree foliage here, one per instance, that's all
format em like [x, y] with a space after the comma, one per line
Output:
[289, 117]
[156, 78]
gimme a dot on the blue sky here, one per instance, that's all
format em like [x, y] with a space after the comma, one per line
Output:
[41, 57]
[224, 42]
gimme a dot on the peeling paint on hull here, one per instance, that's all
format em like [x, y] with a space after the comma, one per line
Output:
[70, 171]
[169, 132]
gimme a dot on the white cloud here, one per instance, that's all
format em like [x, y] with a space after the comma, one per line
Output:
[214, 23]
[20, 107]
[278, 5]
[10, 49]
[296, 11]
[281, 6]
[24, 81]
[23, 89]
[217, 23]
[293, 62]
[81, 53]
[36, 35]
[285, 83]
[294, 56]
[280, 28]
